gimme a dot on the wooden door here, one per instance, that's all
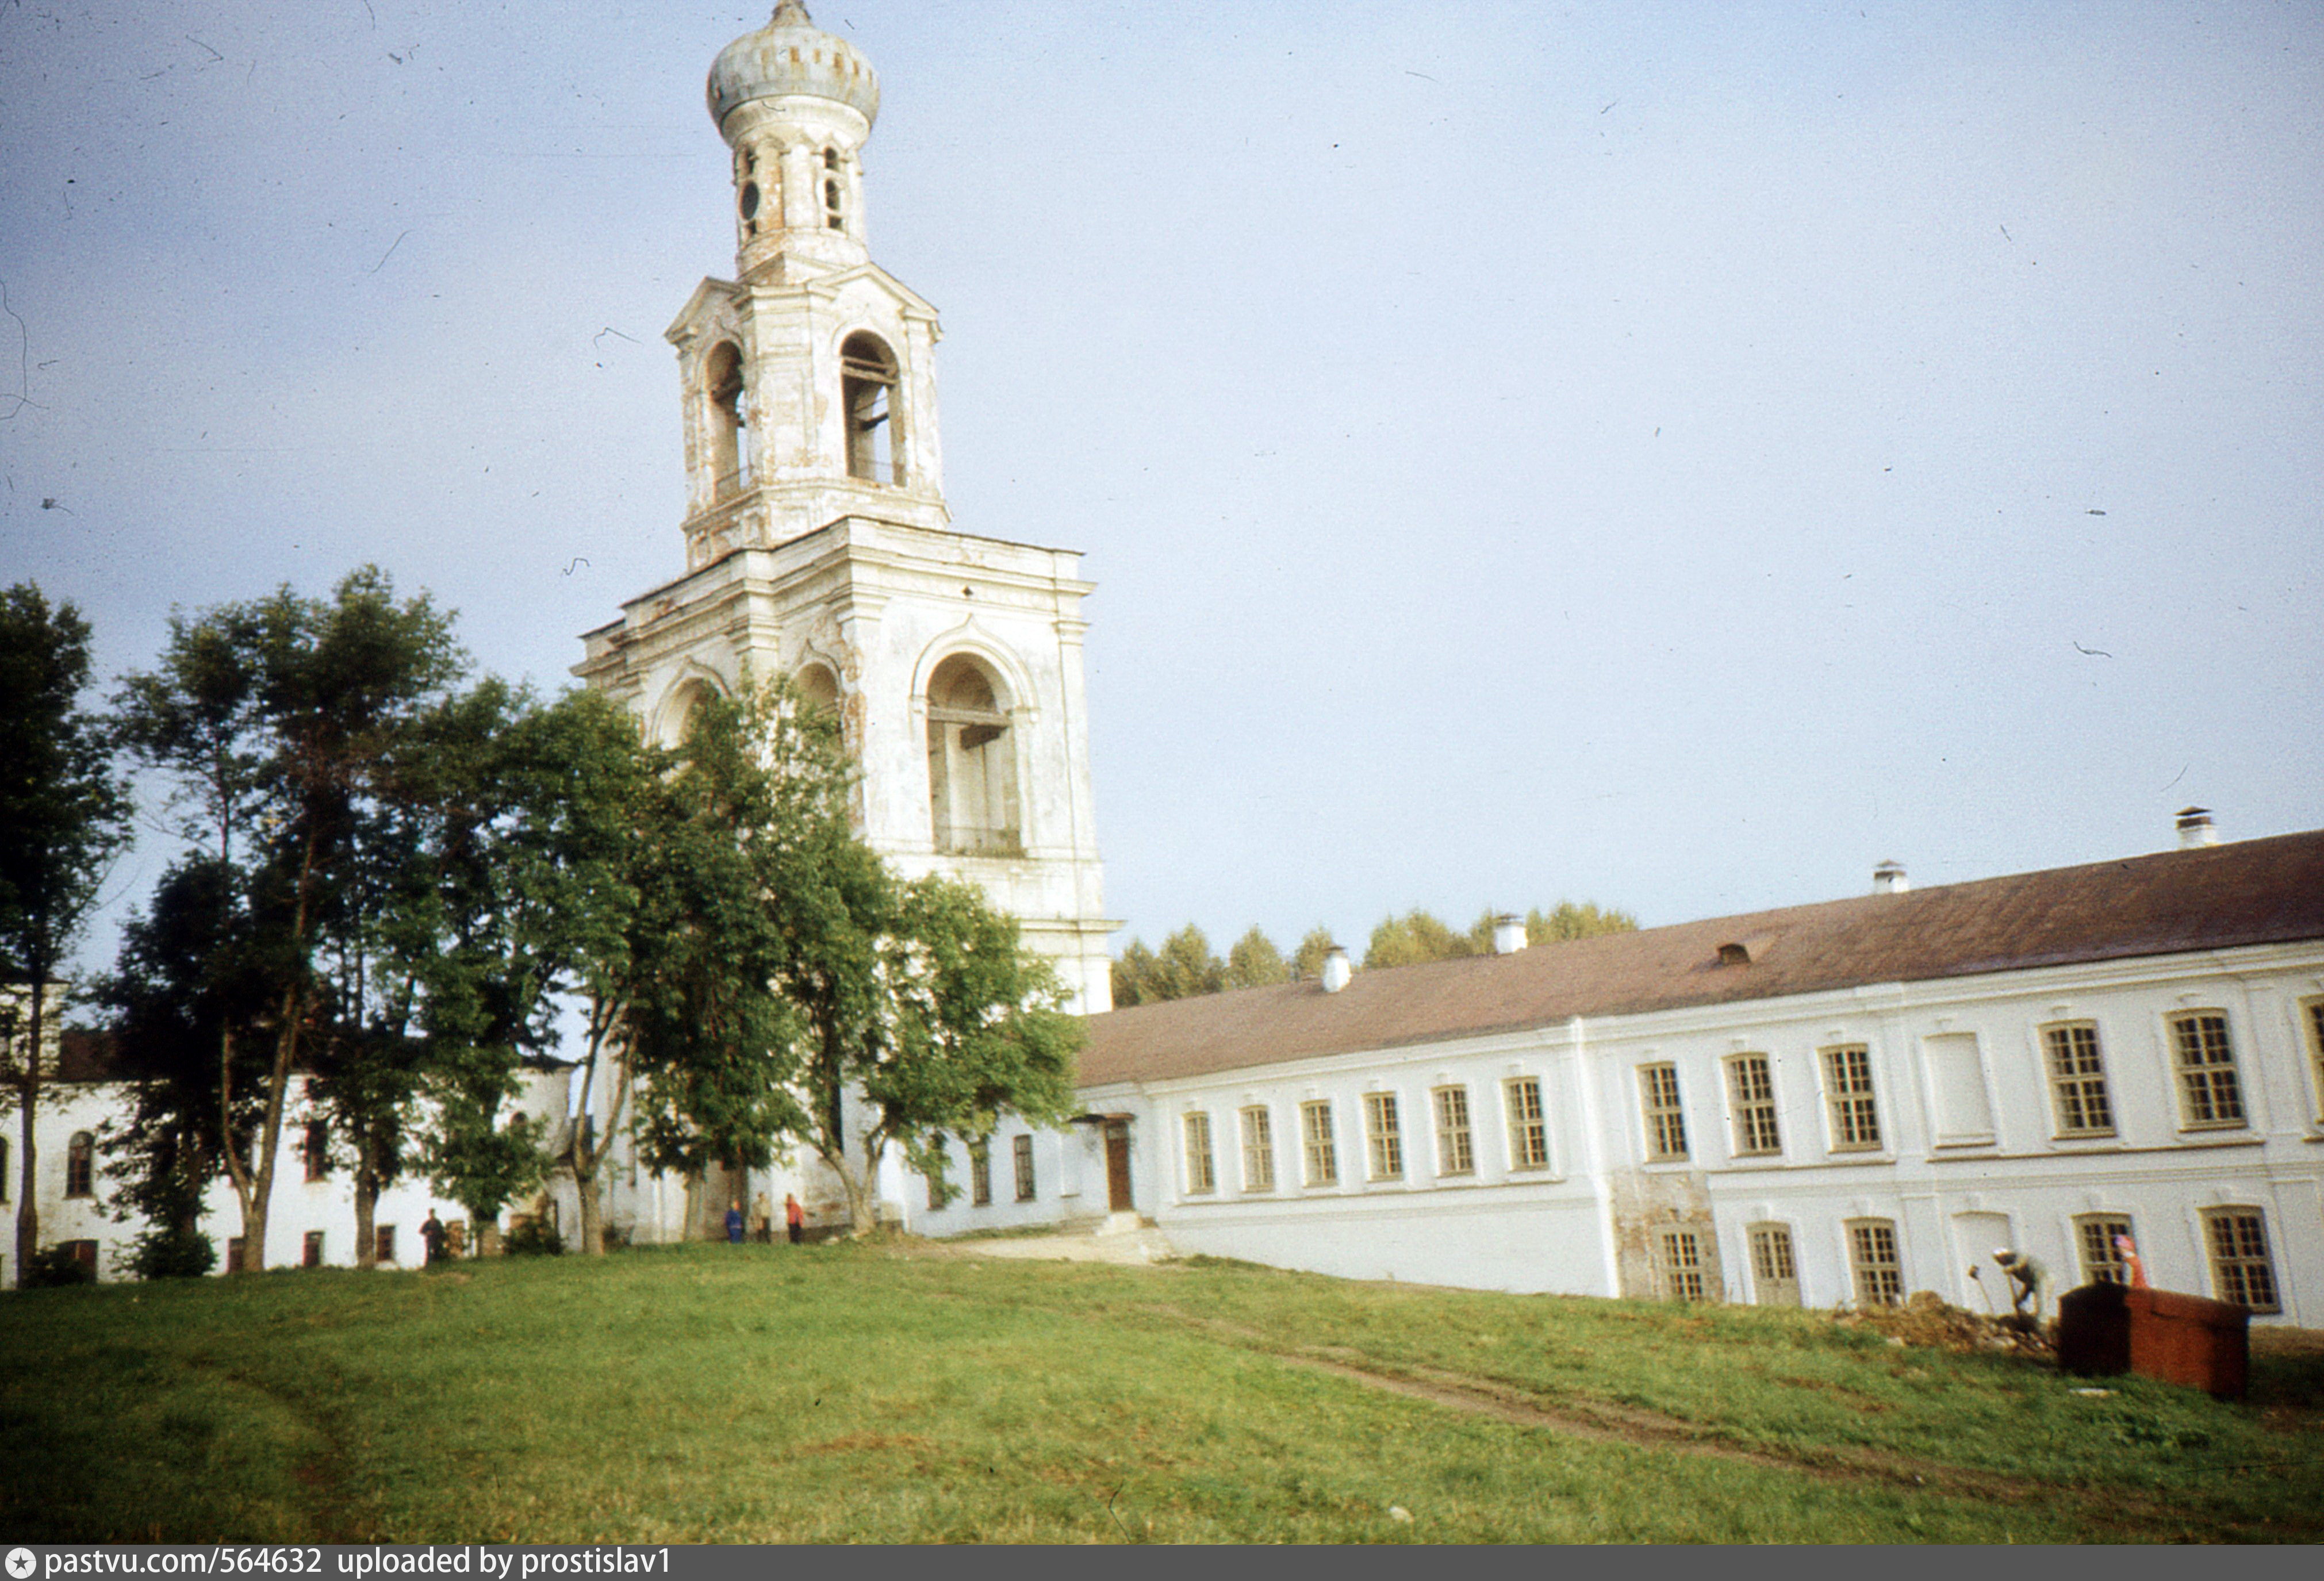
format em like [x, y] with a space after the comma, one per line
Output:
[1117, 1166]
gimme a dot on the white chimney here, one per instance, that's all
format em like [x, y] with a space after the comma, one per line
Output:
[1508, 934]
[1888, 878]
[2195, 828]
[1336, 969]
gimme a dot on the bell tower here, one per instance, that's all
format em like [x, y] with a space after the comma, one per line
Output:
[818, 542]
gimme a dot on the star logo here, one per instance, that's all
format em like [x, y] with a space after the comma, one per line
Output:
[21, 1563]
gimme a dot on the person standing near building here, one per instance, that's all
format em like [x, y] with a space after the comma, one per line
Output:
[762, 1219]
[431, 1235]
[795, 1217]
[734, 1222]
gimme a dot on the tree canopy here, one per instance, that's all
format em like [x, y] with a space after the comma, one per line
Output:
[64, 813]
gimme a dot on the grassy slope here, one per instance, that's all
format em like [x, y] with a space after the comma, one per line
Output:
[890, 1394]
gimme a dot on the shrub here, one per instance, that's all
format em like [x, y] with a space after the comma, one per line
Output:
[533, 1237]
[172, 1254]
[56, 1266]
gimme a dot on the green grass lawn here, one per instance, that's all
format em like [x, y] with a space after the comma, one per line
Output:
[903, 1393]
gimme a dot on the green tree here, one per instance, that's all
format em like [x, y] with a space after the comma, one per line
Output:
[279, 721]
[64, 814]
[1189, 966]
[1412, 938]
[1570, 921]
[1255, 962]
[1135, 977]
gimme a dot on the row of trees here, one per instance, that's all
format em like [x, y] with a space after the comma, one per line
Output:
[396, 876]
[1185, 965]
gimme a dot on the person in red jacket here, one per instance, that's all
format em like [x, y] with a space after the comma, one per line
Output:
[796, 1217]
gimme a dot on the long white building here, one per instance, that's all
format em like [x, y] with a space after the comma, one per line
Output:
[1843, 1102]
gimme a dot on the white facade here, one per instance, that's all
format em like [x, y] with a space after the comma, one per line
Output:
[312, 1215]
[1970, 1154]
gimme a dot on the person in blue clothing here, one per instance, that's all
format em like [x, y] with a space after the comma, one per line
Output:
[734, 1222]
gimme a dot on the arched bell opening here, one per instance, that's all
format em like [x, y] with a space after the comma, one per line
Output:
[972, 800]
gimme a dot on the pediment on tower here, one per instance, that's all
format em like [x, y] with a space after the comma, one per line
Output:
[714, 302]
[909, 302]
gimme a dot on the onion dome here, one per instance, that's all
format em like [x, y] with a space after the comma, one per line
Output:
[790, 56]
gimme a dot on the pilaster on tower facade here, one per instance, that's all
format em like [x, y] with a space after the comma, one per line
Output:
[818, 542]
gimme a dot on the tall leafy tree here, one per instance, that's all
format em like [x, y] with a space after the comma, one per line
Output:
[1415, 936]
[279, 720]
[1570, 921]
[1255, 962]
[64, 813]
[1308, 961]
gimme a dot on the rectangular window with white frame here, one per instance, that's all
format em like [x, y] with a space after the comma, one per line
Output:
[1318, 1144]
[2099, 1237]
[2242, 1271]
[1456, 1153]
[1879, 1270]
[1775, 1271]
[1751, 1092]
[1201, 1170]
[2210, 1097]
[1847, 1091]
[1665, 1122]
[980, 1175]
[1383, 1136]
[1022, 1149]
[1258, 1149]
[1682, 1266]
[2311, 1017]
[2078, 1083]
[1528, 1123]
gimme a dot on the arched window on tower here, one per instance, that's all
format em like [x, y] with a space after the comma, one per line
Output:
[749, 197]
[729, 434]
[818, 688]
[867, 388]
[972, 763]
[834, 192]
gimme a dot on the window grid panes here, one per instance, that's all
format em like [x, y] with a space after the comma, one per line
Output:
[80, 1165]
[2241, 1271]
[1879, 1275]
[2078, 1080]
[1848, 1086]
[2208, 1093]
[1456, 1153]
[2100, 1237]
[1257, 1150]
[311, 1255]
[2315, 1014]
[317, 1150]
[980, 1175]
[1528, 1124]
[1771, 1256]
[1322, 1151]
[1023, 1148]
[1201, 1172]
[1665, 1125]
[1382, 1136]
[1683, 1265]
[1753, 1089]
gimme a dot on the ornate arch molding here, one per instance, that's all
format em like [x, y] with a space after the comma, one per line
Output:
[970, 637]
[670, 711]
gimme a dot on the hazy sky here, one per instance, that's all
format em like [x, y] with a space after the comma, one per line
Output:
[1671, 454]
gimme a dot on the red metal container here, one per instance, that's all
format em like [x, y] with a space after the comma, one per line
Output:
[2189, 1339]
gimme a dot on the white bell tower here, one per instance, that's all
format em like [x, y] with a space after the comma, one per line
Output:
[818, 542]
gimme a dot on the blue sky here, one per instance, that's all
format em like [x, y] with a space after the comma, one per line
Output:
[1672, 454]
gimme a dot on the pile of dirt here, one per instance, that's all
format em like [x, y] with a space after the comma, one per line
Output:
[1924, 1318]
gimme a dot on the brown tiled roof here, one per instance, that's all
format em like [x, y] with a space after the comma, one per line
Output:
[87, 1056]
[2248, 892]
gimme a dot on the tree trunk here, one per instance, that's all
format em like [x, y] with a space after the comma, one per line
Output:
[488, 1235]
[28, 1097]
[367, 1219]
[585, 1158]
[28, 1214]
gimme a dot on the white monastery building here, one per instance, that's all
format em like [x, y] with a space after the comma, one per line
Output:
[1839, 1102]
